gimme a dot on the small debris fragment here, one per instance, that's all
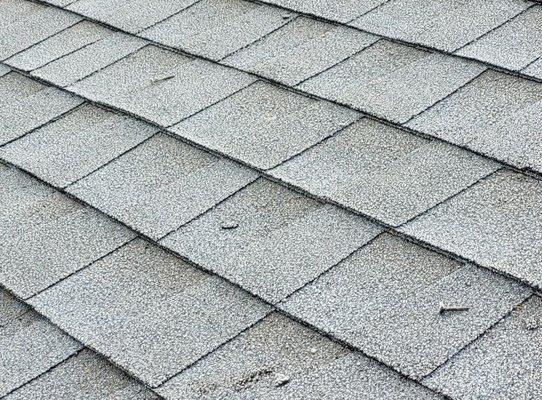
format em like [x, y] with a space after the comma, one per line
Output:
[281, 380]
[286, 16]
[165, 78]
[532, 324]
[230, 226]
[445, 309]
[314, 350]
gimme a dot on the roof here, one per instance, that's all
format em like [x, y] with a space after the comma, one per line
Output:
[245, 199]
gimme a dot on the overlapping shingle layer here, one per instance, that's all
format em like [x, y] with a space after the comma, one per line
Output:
[211, 199]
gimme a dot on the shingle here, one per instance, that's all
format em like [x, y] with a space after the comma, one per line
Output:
[338, 10]
[299, 50]
[129, 15]
[386, 298]
[162, 86]
[29, 346]
[280, 240]
[84, 376]
[392, 80]
[87, 60]
[15, 34]
[496, 114]
[428, 21]
[264, 125]
[535, 69]
[76, 144]
[384, 172]
[4, 70]
[216, 28]
[161, 185]
[46, 236]
[29, 105]
[513, 45]
[502, 364]
[10, 308]
[496, 223]
[148, 311]
[76, 37]
[280, 359]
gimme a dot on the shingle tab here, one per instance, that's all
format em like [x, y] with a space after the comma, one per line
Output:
[502, 364]
[4, 69]
[535, 69]
[280, 240]
[392, 80]
[216, 28]
[496, 114]
[429, 21]
[384, 172]
[386, 299]
[84, 376]
[76, 144]
[280, 359]
[264, 125]
[496, 223]
[162, 86]
[299, 50]
[149, 312]
[161, 185]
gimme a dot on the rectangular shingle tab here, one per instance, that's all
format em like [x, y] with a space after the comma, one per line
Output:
[264, 125]
[428, 21]
[386, 300]
[299, 50]
[166, 314]
[393, 81]
[496, 114]
[384, 172]
[277, 242]
[280, 359]
[216, 28]
[76, 144]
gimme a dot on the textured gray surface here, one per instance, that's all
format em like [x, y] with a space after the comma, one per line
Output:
[283, 239]
[384, 172]
[161, 185]
[496, 223]
[216, 28]
[84, 376]
[385, 299]
[76, 144]
[444, 24]
[4, 69]
[162, 86]
[264, 125]
[535, 69]
[148, 311]
[299, 50]
[393, 81]
[503, 364]
[276, 350]
[10, 308]
[513, 45]
[496, 114]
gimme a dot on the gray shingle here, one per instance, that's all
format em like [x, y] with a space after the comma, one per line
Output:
[513, 45]
[254, 365]
[161, 185]
[503, 364]
[282, 241]
[10, 308]
[392, 80]
[29, 105]
[535, 69]
[300, 50]
[162, 86]
[46, 236]
[429, 21]
[15, 34]
[4, 69]
[386, 298]
[264, 125]
[75, 66]
[216, 28]
[76, 144]
[149, 312]
[29, 346]
[384, 172]
[496, 114]
[496, 223]
[56, 46]
[84, 376]
[129, 15]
